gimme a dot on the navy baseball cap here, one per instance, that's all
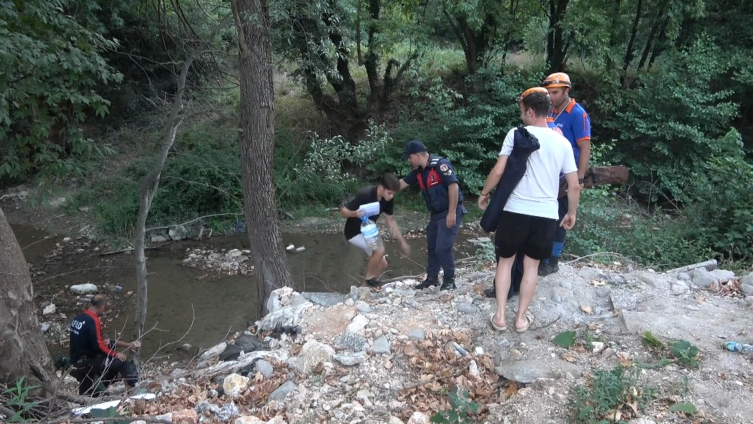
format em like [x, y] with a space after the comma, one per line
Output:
[413, 146]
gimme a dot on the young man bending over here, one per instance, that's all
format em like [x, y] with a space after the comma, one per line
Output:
[382, 193]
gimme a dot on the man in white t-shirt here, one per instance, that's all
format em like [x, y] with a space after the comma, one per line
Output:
[529, 219]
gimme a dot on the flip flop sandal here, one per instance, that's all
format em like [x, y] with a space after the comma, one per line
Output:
[529, 317]
[495, 326]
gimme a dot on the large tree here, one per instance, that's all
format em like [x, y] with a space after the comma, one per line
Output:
[257, 147]
[22, 348]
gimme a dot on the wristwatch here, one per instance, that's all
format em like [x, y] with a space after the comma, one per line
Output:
[580, 180]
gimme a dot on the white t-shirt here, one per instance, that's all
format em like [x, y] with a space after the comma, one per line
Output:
[536, 193]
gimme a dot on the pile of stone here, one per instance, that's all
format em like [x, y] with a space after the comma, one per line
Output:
[232, 262]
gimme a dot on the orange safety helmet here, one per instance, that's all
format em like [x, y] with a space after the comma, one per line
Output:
[557, 79]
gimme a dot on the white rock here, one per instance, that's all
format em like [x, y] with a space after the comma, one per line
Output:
[248, 420]
[233, 253]
[234, 385]
[49, 309]
[357, 325]
[418, 418]
[473, 368]
[214, 351]
[87, 288]
[312, 353]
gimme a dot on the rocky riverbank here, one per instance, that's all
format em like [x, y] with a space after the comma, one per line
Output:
[401, 355]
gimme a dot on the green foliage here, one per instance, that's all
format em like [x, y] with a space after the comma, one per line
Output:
[609, 222]
[50, 67]
[685, 353]
[466, 128]
[608, 391]
[485, 252]
[201, 177]
[18, 400]
[720, 215]
[463, 410]
[669, 125]
[651, 341]
[685, 408]
[323, 173]
[663, 362]
[565, 339]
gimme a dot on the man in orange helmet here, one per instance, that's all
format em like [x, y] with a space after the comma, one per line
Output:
[573, 121]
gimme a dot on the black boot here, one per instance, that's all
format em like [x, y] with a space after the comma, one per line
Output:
[448, 284]
[549, 268]
[491, 292]
[428, 282]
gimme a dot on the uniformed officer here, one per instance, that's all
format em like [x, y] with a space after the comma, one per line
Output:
[444, 199]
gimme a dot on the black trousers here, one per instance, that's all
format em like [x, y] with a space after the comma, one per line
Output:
[91, 372]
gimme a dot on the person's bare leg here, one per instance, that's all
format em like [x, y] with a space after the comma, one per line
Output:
[503, 280]
[374, 264]
[527, 289]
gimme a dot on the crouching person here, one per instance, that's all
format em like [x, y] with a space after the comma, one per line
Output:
[383, 193]
[94, 358]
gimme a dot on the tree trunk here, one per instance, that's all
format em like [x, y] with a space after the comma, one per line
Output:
[652, 34]
[257, 148]
[629, 53]
[556, 46]
[148, 190]
[23, 351]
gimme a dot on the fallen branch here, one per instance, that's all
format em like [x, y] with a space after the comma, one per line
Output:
[598, 254]
[433, 380]
[547, 325]
[130, 249]
[709, 265]
[192, 221]
[468, 259]
[71, 272]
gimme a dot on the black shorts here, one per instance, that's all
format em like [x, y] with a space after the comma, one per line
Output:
[533, 234]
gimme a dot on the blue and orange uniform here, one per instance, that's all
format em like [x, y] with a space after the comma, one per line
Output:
[573, 122]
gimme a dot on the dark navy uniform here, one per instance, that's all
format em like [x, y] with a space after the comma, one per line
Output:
[435, 181]
[91, 357]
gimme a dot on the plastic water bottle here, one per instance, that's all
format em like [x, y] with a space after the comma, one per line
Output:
[370, 233]
[739, 347]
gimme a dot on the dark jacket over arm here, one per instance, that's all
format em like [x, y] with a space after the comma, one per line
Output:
[525, 143]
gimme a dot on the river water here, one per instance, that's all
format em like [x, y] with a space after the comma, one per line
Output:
[188, 305]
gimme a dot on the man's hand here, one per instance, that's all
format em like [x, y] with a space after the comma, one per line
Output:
[483, 202]
[134, 346]
[121, 356]
[360, 213]
[568, 222]
[405, 247]
[451, 217]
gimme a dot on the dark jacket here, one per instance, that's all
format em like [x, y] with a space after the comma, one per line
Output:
[86, 338]
[525, 143]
